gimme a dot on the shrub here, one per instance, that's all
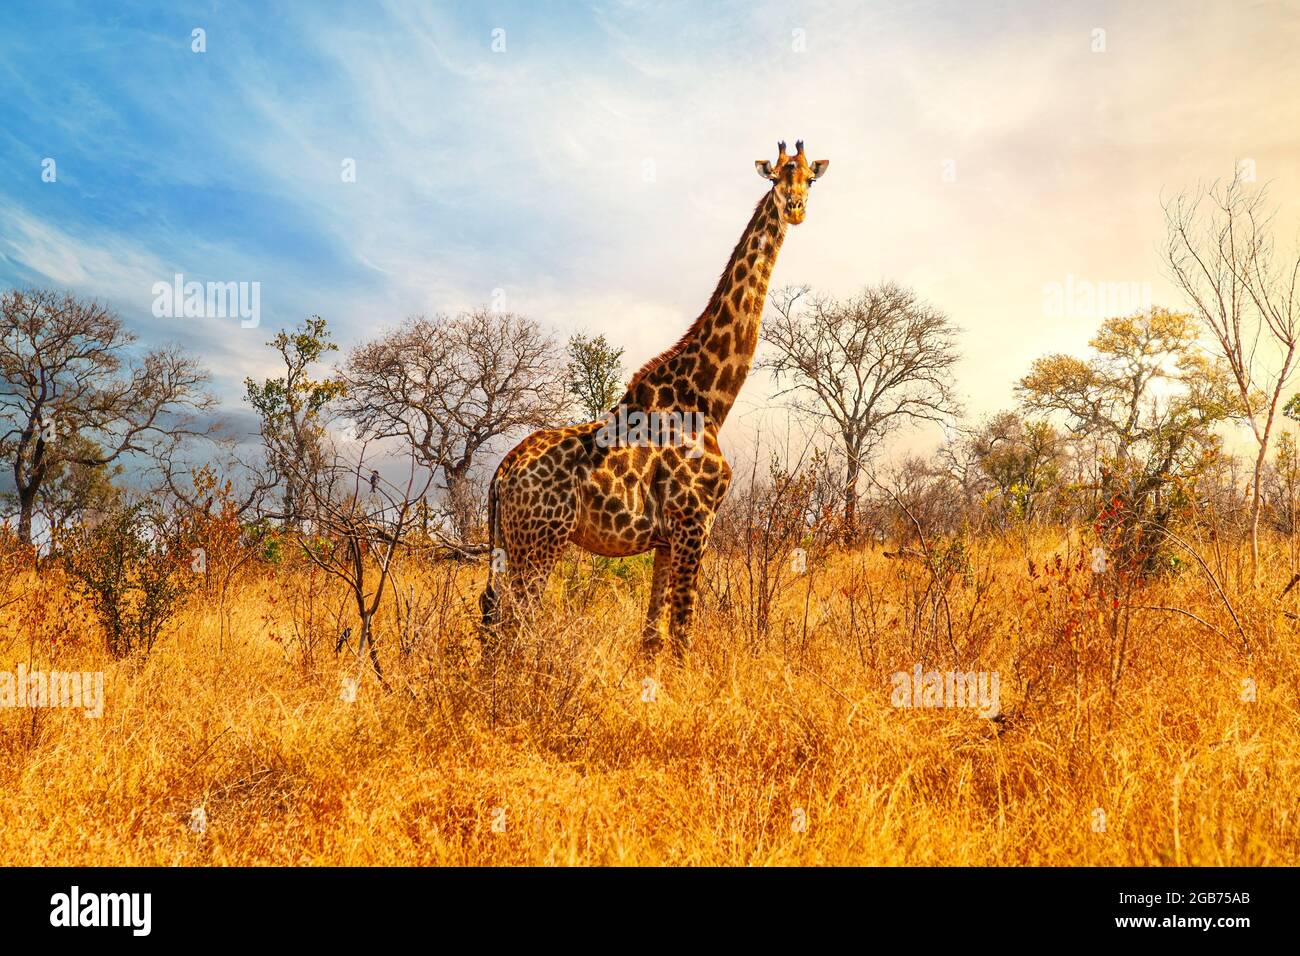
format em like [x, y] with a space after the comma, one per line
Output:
[135, 573]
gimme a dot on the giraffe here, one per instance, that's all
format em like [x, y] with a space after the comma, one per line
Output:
[650, 476]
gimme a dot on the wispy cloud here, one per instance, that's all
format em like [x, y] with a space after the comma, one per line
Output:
[598, 168]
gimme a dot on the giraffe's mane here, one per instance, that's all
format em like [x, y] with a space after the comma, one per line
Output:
[677, 347]
[672, 351]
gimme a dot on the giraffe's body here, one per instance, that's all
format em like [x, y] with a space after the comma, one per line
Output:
[615, 493]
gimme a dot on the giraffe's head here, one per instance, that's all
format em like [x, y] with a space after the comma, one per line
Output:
[792, 177]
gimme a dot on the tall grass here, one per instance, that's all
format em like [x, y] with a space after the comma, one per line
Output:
[780, 749]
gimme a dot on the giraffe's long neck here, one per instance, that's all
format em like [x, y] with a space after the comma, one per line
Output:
[705, 370]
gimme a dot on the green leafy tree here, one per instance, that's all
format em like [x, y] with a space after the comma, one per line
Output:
[79, 487]
[1021, 458]
[594, 374]
[295, 409]
[1147, 399]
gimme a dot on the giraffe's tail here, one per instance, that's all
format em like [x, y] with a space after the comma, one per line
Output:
[489, 601]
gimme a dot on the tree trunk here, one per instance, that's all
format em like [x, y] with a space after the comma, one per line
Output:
[851, 498]
[368, 643]
[460, 500]
[24, 521]
[26, 506]
[1255, 501]
[292, 505]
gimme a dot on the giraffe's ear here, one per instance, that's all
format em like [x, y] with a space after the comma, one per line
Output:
[764, 168]
[819, 168]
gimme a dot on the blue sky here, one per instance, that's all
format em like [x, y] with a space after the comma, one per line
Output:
[597, 170]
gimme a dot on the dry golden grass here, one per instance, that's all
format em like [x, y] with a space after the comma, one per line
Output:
[564, 752]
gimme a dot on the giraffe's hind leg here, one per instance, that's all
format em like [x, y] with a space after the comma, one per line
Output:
[520, 600]
[526, 580]
[533, 545]
[651, 635]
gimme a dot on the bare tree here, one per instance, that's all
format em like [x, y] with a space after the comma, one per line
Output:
[66, 370]
[862, 367]
[178, 463]
[357, 522]
[451, 386]
[764, 532]
[1220, 251]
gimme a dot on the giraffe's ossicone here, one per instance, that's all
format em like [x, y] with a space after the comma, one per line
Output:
[650, 475]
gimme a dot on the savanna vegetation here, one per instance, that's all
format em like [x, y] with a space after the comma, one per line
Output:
[287, 623]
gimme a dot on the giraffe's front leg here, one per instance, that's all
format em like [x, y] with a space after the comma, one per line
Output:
[687, 550]
[651, 637]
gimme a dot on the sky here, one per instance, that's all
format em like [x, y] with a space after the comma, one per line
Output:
[591, 164]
